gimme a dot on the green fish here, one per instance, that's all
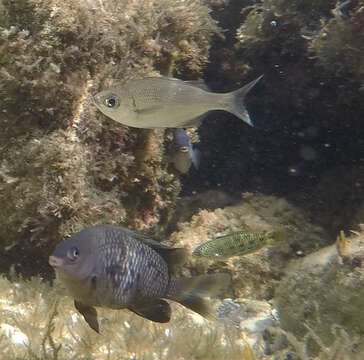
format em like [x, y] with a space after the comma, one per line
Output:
[167, 103]
[238, 243]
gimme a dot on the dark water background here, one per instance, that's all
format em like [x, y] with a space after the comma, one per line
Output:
[308, 125]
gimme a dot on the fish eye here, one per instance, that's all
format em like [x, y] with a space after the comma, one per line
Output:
[73, 254]
[111, 101]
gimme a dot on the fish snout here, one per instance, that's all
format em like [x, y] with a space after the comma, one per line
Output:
[96, 99]
[55, 261]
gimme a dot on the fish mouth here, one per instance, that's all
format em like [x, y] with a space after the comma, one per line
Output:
[94, 99]
[97, 99]
[55, 261]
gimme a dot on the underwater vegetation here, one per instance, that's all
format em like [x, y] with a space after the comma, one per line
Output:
[327, 35]
[315, 289]
[36, 324]
[62, 164]
[254, 275]
[307, 109]
[316, 312]
[320, 299]
[339, 43]
[65, 166]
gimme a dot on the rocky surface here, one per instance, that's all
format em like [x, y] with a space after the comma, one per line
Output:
[320, 300]
[255, 275]
[63, 165]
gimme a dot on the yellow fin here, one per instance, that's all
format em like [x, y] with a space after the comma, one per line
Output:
[341, 243]
[248, 353]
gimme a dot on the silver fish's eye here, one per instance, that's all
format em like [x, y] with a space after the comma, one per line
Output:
[111, 101]
[73, 254]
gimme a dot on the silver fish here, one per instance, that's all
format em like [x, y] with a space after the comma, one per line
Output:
[113, 267]
[167, 103]
[184, 154]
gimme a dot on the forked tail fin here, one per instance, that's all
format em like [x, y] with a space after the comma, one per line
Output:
[236, 102]
[190, 292]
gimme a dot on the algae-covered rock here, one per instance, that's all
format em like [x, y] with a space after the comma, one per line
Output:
[339, 43]
[307, 108]
[63, 165]
[256, 275]
[320, 300]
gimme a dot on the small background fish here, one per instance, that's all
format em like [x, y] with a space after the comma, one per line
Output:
[183, 153]
[238, 243]
[113, 267]
[167, 102]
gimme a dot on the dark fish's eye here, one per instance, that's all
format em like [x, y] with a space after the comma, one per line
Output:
[111, 101]
[73, 254]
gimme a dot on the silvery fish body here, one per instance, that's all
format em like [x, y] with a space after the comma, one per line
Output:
[167, 103]
[113, 267]
[238, 243]
[184, 154]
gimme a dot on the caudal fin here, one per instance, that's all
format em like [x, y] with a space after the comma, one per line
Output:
[236, 104]
[190, 292]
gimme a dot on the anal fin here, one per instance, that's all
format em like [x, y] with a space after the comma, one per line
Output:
[153, 309]
[90, 315]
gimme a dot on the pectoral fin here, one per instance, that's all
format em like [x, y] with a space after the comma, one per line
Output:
[148, 110]
[90, 315]
[153, 309]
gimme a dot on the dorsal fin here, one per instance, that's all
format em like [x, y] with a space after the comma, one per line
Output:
[200, 83]
[172, 256]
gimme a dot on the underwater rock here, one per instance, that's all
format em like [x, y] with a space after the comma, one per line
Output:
[313, 76]
[256, 275]
[336, 200]
[339, 43]
[63, 165]
[187, 206]
[320, 300]
[252, 317]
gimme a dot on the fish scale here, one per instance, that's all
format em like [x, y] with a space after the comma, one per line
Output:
[238, 243]
[137, 268]
[113, 267]
[168, 103]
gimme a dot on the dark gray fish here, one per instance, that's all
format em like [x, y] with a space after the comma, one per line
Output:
[184, 154]
[113, 267]
[167, 103]
[238, 243]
